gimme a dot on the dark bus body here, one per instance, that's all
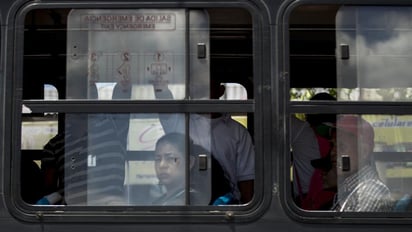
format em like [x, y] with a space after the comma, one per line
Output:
[68, 67]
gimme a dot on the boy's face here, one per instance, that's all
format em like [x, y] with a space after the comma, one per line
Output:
[169, 165]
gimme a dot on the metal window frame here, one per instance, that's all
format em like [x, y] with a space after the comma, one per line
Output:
[288, 107]
[139, 214]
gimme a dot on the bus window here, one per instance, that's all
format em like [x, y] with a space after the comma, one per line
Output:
[121, 76]
[347, 154]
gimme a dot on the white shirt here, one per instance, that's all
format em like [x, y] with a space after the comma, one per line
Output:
[305, 148]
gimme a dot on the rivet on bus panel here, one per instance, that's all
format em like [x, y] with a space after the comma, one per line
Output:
[229, 215]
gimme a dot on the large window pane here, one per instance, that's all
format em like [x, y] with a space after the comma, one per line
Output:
[149, 55]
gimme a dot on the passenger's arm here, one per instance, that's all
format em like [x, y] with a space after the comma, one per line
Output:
[245, 165]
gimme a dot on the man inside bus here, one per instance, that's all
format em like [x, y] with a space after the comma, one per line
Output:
[323, 184]
[361, 189]
[85, 182]
[304, 149]
[228, 141]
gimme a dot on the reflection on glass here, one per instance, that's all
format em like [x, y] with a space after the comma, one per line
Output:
[84, 164]
[361, 189]
[120, 159]
[363, 52]
[135, 54]
[364, 160]
[378, 65]
[94, 159]
[138, 49]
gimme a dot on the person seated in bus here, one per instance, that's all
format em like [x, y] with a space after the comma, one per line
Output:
[170, 167]
[323, 125]
[322, 187]
[32, 188]
[316, 189]
[324, 180]
[361, 189]
[109, 131]
[229, 142]
[52, 166]
[304, 149]
[86, 162]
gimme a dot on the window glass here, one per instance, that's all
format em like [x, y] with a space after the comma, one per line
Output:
[35, 132]
[88, 163]
[363, 183]
[350, 162]
[140, 50]
[135, 54]
[359, 51]
[101, 157]
[312, 46]
[377, 60]
[139, 159]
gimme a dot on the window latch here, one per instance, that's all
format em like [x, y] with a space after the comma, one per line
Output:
[201, 50]
[344, 52]
[202, 162]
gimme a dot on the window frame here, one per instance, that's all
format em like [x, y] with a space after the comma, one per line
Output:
[289, 107]
[154, 214]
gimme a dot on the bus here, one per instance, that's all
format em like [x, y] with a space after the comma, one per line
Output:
[90, 90]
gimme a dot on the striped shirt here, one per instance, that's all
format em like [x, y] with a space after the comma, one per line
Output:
[364, 192]
[90, 158]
